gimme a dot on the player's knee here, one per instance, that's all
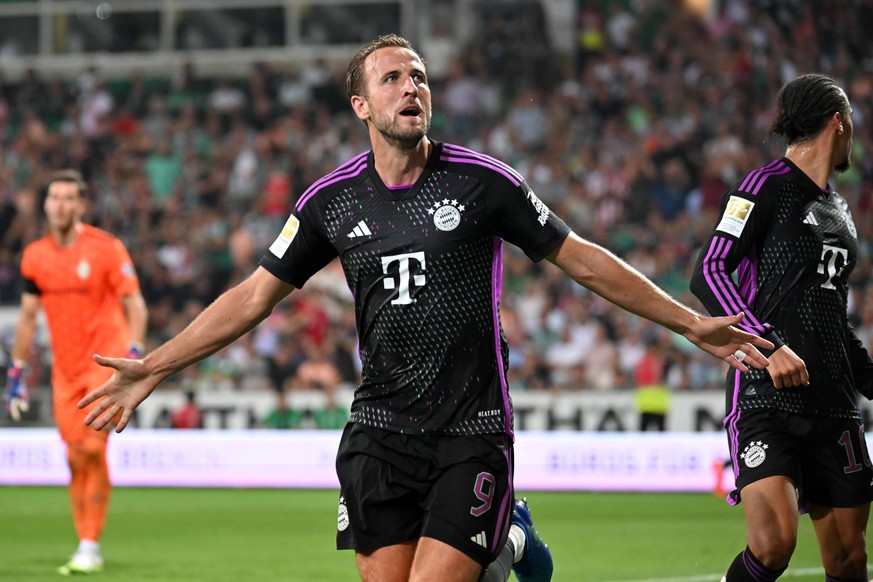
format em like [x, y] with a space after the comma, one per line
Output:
[856, 565]
[775, 551]
[850, 564]
[83, 453]
[76, 456]
[94, 448]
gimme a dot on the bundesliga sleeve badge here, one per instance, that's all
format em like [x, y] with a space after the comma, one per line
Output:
[283, 241]
[735, 216]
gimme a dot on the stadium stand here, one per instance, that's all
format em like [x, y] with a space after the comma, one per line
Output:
[632, 134]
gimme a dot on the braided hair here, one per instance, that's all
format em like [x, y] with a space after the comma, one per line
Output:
[804, 106]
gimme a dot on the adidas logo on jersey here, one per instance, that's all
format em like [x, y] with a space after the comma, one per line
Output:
[480, 539]
[360, 230]
[810, 219]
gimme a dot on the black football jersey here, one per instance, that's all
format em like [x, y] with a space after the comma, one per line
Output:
[792, 247]
[423, 263]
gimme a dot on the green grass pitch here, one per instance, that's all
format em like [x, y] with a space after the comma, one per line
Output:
[270, 535]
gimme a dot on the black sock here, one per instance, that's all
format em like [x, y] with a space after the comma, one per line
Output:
[747, 568]
[829, 578]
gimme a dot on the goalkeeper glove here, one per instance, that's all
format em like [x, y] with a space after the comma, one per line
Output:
[134, 352]
[15, 396]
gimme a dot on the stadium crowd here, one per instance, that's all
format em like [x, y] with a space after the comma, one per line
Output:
[633, 139]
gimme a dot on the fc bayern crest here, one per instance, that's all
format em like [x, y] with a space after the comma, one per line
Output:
[342, 520]
[446, 214]
[754, 454]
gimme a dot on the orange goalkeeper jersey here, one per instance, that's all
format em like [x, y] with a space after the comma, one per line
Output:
[80, 289]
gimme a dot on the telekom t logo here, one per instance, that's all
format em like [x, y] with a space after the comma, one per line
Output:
[403, 264]
[829, 257]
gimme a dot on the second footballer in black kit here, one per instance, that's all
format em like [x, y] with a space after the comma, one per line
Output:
[792, 244]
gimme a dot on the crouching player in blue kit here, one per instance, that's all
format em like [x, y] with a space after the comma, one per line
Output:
[795, 432]
[426, 461]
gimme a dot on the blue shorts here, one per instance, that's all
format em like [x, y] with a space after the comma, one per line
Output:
[826, 458]
[397, 487]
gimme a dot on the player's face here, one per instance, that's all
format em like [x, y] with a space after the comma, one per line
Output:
[63, 206]
[397, 104]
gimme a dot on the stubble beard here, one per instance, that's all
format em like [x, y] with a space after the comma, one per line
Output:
[63, 229]
[59, 223]
[402, 139]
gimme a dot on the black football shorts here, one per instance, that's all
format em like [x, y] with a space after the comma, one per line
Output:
[397, 487]
[826, 458]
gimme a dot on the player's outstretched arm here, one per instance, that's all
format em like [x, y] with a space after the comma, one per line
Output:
[599, 270]
[233, 314]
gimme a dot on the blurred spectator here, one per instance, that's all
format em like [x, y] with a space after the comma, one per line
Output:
[636, 138]
[96, 104]
[652, 391]
[332, 416]
[189, 415]
[282, 364]
[163, 168]
[294, 91]
[317, 370]
[461, 98]
[226, 99]
[282, 416]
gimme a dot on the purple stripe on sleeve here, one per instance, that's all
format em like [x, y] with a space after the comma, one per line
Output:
[783, 170]
[723, 288]
[496, 287]
[747, 275]
[753, 175]
[453, 153]
[351, 168]
[465, 152]
[480, 163]
[714, 256]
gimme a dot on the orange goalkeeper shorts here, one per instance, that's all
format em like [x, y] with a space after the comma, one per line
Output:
[69, 418]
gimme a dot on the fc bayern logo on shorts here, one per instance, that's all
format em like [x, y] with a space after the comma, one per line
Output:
[754, 454]
[446, 214]
[342, 518]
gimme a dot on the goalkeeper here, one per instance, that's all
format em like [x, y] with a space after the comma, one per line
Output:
[83, 279]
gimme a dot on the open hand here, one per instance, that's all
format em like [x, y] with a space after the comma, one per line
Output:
[719, 337]
[129, 386]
